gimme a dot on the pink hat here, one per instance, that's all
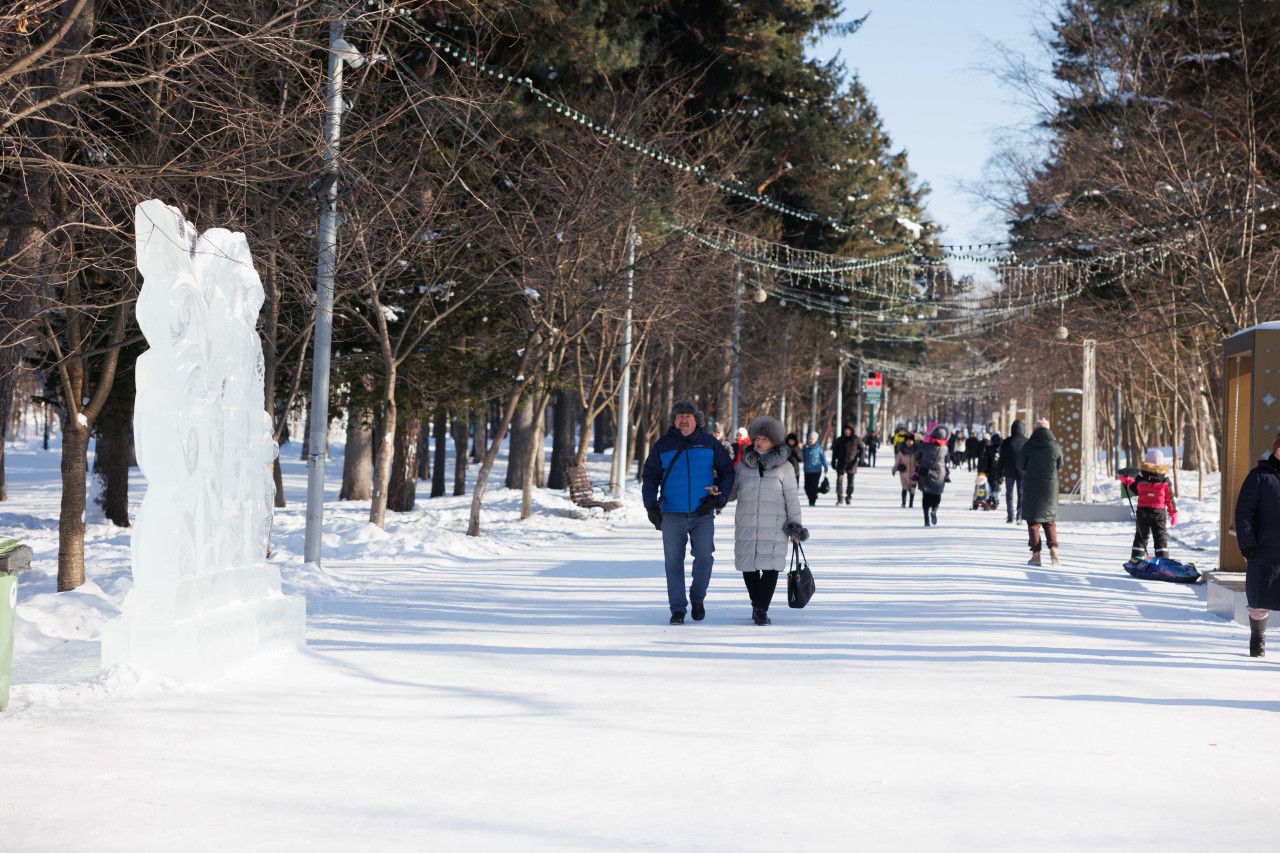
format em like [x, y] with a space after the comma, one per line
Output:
[1041, 422]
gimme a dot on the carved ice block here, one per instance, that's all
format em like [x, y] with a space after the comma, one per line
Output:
[204, 597]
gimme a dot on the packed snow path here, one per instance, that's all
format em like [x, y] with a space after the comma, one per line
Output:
[938, 694]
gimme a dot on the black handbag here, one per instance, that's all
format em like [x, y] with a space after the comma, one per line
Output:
[800, 585]
[824, 486]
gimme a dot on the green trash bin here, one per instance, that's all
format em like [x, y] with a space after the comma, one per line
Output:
[14, 557]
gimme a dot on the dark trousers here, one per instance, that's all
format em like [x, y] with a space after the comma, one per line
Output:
[1012, 488]
[930, 504]
[760, 586]
[1153, 522]
[871, 457]
[1050, 535]
[844, 482]
[811, 482]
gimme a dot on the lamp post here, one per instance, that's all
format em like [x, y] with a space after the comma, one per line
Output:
[735, 366]
[621, 455]
[326, 269]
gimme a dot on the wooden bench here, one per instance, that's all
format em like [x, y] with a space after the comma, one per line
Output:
[583, 494]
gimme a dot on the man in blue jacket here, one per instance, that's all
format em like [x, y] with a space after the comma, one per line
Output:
[687, 477]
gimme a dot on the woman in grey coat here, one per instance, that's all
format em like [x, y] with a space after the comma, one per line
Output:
[767, 518]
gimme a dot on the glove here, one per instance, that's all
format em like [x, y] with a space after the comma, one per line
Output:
[655, 517]
[1249, 553]
[1173, 518]
[902, 466]
[707, 504]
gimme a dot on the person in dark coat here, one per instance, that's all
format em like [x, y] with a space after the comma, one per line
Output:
[990, 464]
[1039, 463]
[687, 476]
[932, 472]
[794, 454]
[1010, 448]
[1258, 535]
[972, 449]
[871, 442]
[846, 456]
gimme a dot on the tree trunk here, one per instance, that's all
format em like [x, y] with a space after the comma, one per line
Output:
[561, 439]
[442, 448]
[424, 449]
[10, 358]
[603, 430]
[114, 433]
[404, 465]
[460, 454]
[537, 456]
[75, 446]
[277, 476]
[518, 468]
[383, 456]
[357, 460]
[500, 432]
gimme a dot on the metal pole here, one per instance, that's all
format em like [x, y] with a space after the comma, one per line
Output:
[813, 402]
[840, 396]
[326, 269]
[735, 365]
[860, 386]
[621, 459]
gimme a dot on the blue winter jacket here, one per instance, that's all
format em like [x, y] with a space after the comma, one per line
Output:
[703, 463]
[815, 459]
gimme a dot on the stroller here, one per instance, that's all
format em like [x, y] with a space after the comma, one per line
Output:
[984, 496]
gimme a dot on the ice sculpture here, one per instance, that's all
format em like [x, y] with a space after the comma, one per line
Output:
[204, 597]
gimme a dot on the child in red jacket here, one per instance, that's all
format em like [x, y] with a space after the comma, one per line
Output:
[1155, 504]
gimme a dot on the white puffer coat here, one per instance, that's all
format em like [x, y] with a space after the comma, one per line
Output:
[766, 492]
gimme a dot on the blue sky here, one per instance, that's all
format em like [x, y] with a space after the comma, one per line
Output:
[922, 61]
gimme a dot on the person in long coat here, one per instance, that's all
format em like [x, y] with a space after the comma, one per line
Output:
[904, 463]
[767, 518]
[1258, 535]
[1039, 463]
[1010, 449]
[932, 472]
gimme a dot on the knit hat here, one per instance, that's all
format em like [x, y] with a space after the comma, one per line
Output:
[940, 432]
[1040, 422]
[742, 433]
[771, 428]
[813, 436]
[684, 407]
[1154, 457]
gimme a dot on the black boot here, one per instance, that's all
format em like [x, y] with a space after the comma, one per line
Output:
[911, 502]
[1257, 638]
[904, 498]
[760, 617]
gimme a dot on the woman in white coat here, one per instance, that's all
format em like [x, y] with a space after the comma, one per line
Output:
[767, 518]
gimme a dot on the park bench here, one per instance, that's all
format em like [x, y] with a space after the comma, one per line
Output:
[585, 495]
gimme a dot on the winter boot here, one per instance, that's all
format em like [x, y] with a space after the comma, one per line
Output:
[1053, 557]
[904, 498]
[699, 611]
[933, 516]
[677, 618]
[1035, 559]
[760, 617]
[1257, 637]
[911, 501]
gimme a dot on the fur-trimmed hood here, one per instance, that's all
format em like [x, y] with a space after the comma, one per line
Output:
[768, 460]
[1152, 468]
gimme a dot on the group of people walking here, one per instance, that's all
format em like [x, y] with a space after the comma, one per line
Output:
[689, 474]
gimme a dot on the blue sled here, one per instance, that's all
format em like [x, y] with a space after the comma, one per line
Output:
[1163, 569]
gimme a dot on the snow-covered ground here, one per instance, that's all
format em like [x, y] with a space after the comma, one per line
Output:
[523, 692]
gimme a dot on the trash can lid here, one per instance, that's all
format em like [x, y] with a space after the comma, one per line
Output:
[14, 557]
